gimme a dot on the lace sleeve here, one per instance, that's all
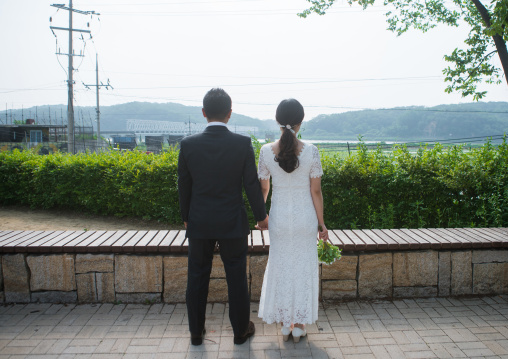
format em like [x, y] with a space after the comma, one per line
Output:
[263, 172]
[316, 170]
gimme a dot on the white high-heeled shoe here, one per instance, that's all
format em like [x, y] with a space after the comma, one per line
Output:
[298, 333]
[286, 331]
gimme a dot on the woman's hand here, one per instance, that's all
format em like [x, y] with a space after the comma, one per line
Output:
[323, 232]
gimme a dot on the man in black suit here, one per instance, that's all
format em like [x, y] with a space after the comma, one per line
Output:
[212, 168]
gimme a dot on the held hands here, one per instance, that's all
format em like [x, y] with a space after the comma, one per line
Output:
[323, 232]
[262, 225]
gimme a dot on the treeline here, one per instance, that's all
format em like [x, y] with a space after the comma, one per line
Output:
[438, 187]
[413, 123]
[403, 124]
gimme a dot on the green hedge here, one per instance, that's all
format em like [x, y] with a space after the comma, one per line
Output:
[113, 183]
[438, 187]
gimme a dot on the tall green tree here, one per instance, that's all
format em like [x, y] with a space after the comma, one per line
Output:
[470, 65]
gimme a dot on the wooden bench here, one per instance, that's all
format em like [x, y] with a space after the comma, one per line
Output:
[174, 241]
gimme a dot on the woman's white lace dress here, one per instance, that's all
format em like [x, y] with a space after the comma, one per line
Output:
[291, 283]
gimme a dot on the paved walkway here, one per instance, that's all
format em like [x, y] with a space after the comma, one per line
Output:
[422, 328]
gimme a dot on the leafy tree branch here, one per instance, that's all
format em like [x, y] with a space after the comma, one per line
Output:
[469, 67]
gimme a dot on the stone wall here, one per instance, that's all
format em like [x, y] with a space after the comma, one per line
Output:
[90, 278]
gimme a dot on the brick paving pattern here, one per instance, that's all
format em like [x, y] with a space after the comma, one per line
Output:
[415, 328]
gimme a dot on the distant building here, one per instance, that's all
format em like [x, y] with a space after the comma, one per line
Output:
[124, 142]
[47, 138]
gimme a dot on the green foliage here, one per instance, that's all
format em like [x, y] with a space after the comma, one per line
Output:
[438, 187]
[487, 21]
[327, 253]
[109, 183]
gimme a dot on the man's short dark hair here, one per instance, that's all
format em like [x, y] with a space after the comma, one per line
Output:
[216, 104]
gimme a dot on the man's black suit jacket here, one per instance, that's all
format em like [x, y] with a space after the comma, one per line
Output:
[212, 167]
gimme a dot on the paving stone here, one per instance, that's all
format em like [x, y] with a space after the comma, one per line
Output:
[375, 275]
[16, 278]
[175, 278]
[415, 269]
[54, 272]
[138, 274]
[462, 273]
[86, 263]
[343, 269]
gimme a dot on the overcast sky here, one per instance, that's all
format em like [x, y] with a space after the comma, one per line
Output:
[259, 51]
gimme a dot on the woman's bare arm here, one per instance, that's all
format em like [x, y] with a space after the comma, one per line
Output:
[265, 187]
[317, 199]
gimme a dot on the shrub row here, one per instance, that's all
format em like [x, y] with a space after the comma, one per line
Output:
[438, 187]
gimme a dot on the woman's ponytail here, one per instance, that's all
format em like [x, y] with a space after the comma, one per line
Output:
[289, 114]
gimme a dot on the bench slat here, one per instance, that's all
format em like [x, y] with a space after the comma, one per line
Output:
[257, 241]
[3, 234]
[344, 241]
[176, 245]
[84, 246]
[424, 244]
[496, 240]
[389, 243]
[498, 234]
[381, 244]
[131, 243]
[117, 247]
[369, 242]
[24, 245]
[480, 236]
[434, 240]
[45, 246]
[100, 240]
[474, 242]
[69, 246]
[18, 237]
[266, 239]
[143, 242]
[175, 241]
[397, 233]
[165, 244]
[471, 235]
[457, 242]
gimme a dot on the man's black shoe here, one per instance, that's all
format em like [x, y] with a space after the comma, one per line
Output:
[250, 332]
[197, 339]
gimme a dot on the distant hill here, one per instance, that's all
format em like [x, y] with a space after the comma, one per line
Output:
[413, 123]
[401, 123]
[115, 117]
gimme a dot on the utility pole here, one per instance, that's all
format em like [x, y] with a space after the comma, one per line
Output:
[70, 81]
[97, 86]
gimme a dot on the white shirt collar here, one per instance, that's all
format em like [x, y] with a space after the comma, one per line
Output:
[216, 123]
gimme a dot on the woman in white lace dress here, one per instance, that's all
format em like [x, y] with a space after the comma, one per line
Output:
[291, 283]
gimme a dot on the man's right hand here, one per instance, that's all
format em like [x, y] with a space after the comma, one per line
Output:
[263, 225]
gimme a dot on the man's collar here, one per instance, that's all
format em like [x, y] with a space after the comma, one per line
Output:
[216, 123]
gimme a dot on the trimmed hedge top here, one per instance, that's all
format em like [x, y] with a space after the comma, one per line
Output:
[438, 187]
